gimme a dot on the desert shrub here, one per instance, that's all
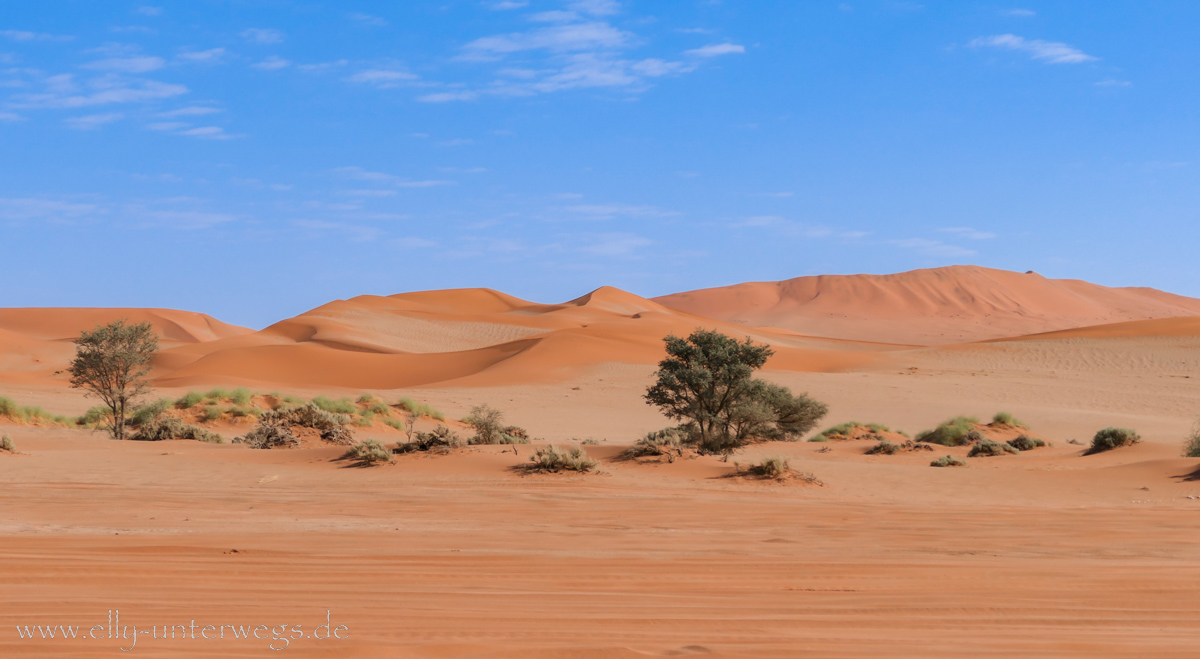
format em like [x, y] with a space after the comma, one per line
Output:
[333, 427]
[379, 407]
[7, 445]
[189, 400]
[365, 419]
[419, 409]
[988, 448]
[1006, 419]
[1111, 438]
[9, 408]
[395, 423]
[1191, 446]
[844, 431]
[93, 417]
[149, 412]
[212, 412]
[953, 432]
[948, 461]
[1026, 443]
[29, 413]
[368, 452]
[365, 398]
[553, 458]
[343, 406]
[489, 429]
[440, 439]
[707, 380]
[217, 395]
[268, 436]
[589, 442]
[668, 442]
[160, 428]
[245, 410]
[773, 467]
[884, 447]
[241, 396]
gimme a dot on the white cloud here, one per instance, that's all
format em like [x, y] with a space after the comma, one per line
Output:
[367, 19]
[1111, 82]
[369, 193]
[932, 247]
[1050, 51]
[413, 242]
[360, 174]
[22, 35]
[595, 7]
[694, 30]
[713, 50]
[127, 64]
[322, 67]
[613, 244]
[508, 4]
[11, 116]
[190, 111]
[654, 68]
[210, 55]
[969, 233]
[167, 125]
[146, 10]
[61, 91]
[456, 142]
[554, 17]
[608, 211]
[561, 38]
[92, 121]
[445, 97]
[382, 78]
[272, 63]
[208, 133]
[188, 219]
[1019, 13]
[262, 35]
[28, 208]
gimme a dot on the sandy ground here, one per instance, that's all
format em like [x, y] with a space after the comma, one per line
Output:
[1048, 553]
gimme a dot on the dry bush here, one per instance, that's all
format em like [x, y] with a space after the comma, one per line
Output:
[442, 439]
[953, 432]
[553, 458]
[884, 447]
[1191, 447]
[369, 452]
[948, 461]
[1006, 419]
[162, 428]
[268, 436]
[773, 467]
[1111, 438]
[334, 428]
[668, 441]
[7, 445]
[988, 448]
[1026, 443]
[489, 428]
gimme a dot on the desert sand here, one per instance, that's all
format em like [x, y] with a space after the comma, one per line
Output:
[1049, 553]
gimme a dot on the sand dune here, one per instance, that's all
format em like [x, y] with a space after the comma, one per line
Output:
[929, 307]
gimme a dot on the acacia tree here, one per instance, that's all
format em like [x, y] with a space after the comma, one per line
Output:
[707, 381]
[111, 363]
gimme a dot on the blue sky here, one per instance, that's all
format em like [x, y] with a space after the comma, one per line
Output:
[253, 159]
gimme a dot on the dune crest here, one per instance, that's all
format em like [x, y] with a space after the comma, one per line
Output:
[929, 307]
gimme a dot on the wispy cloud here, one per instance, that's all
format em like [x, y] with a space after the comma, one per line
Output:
[32, 208]
[93, 121]
[210, 55]
[127, 64]
[62, 91]
[190, 111]
[22, 35]
[612, 244]
[609, 211]
[262, 35]
[1053, 52]
[272, 63]
[969, 233]
[11, 116]
[361, 174]
[506, 5]
[716, 49]
[208, 133]
[367, 19]
[383, 78]
[1112, 82]
[559, 38]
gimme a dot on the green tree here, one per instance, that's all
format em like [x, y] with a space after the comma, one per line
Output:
[111, 363]
[707, 381]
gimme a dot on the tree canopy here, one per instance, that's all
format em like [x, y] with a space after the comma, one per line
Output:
[112, 362]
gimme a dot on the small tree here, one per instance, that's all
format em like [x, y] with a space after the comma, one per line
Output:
[707, 381]
[111, 363]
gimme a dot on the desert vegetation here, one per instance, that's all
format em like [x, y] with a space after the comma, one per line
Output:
[707, 381]
[277, 428]
[1113, 438]
[553, 458]
[112, 363]
[6, 444]
[855, 430]
[488, 423]
[948, 461]
[30, 414]
[885, 447]
[1026, 443]
[368, 453]
[989, 448]
[952, 432]
[440, 440]
[668, 442]
[1007, 420]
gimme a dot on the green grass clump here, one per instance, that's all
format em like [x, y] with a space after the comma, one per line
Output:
[589, 442]
[149, 412]
[948, 461]
[189, 400]
[1026, 443]
[238, 411]
[7, 445]
[10, 409]
[553, 458]
[952, 432]
[884, 448]
[1111, 438]
[218, 395]
[212, 412]
[844, 431]
[342, 406]
[30, 414]
[241, 396]
[368, 452]
[366, 419]
[379, 407]
[1006, 419]
[989, 448]
[365, 398]
[668, 442]
[93, 417]
[1191, 446]
[773, 467]
[395, 423]
[420, 409]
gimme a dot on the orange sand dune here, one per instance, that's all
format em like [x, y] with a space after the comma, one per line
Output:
[1163, 327]
[929, 307]
[64, 324]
